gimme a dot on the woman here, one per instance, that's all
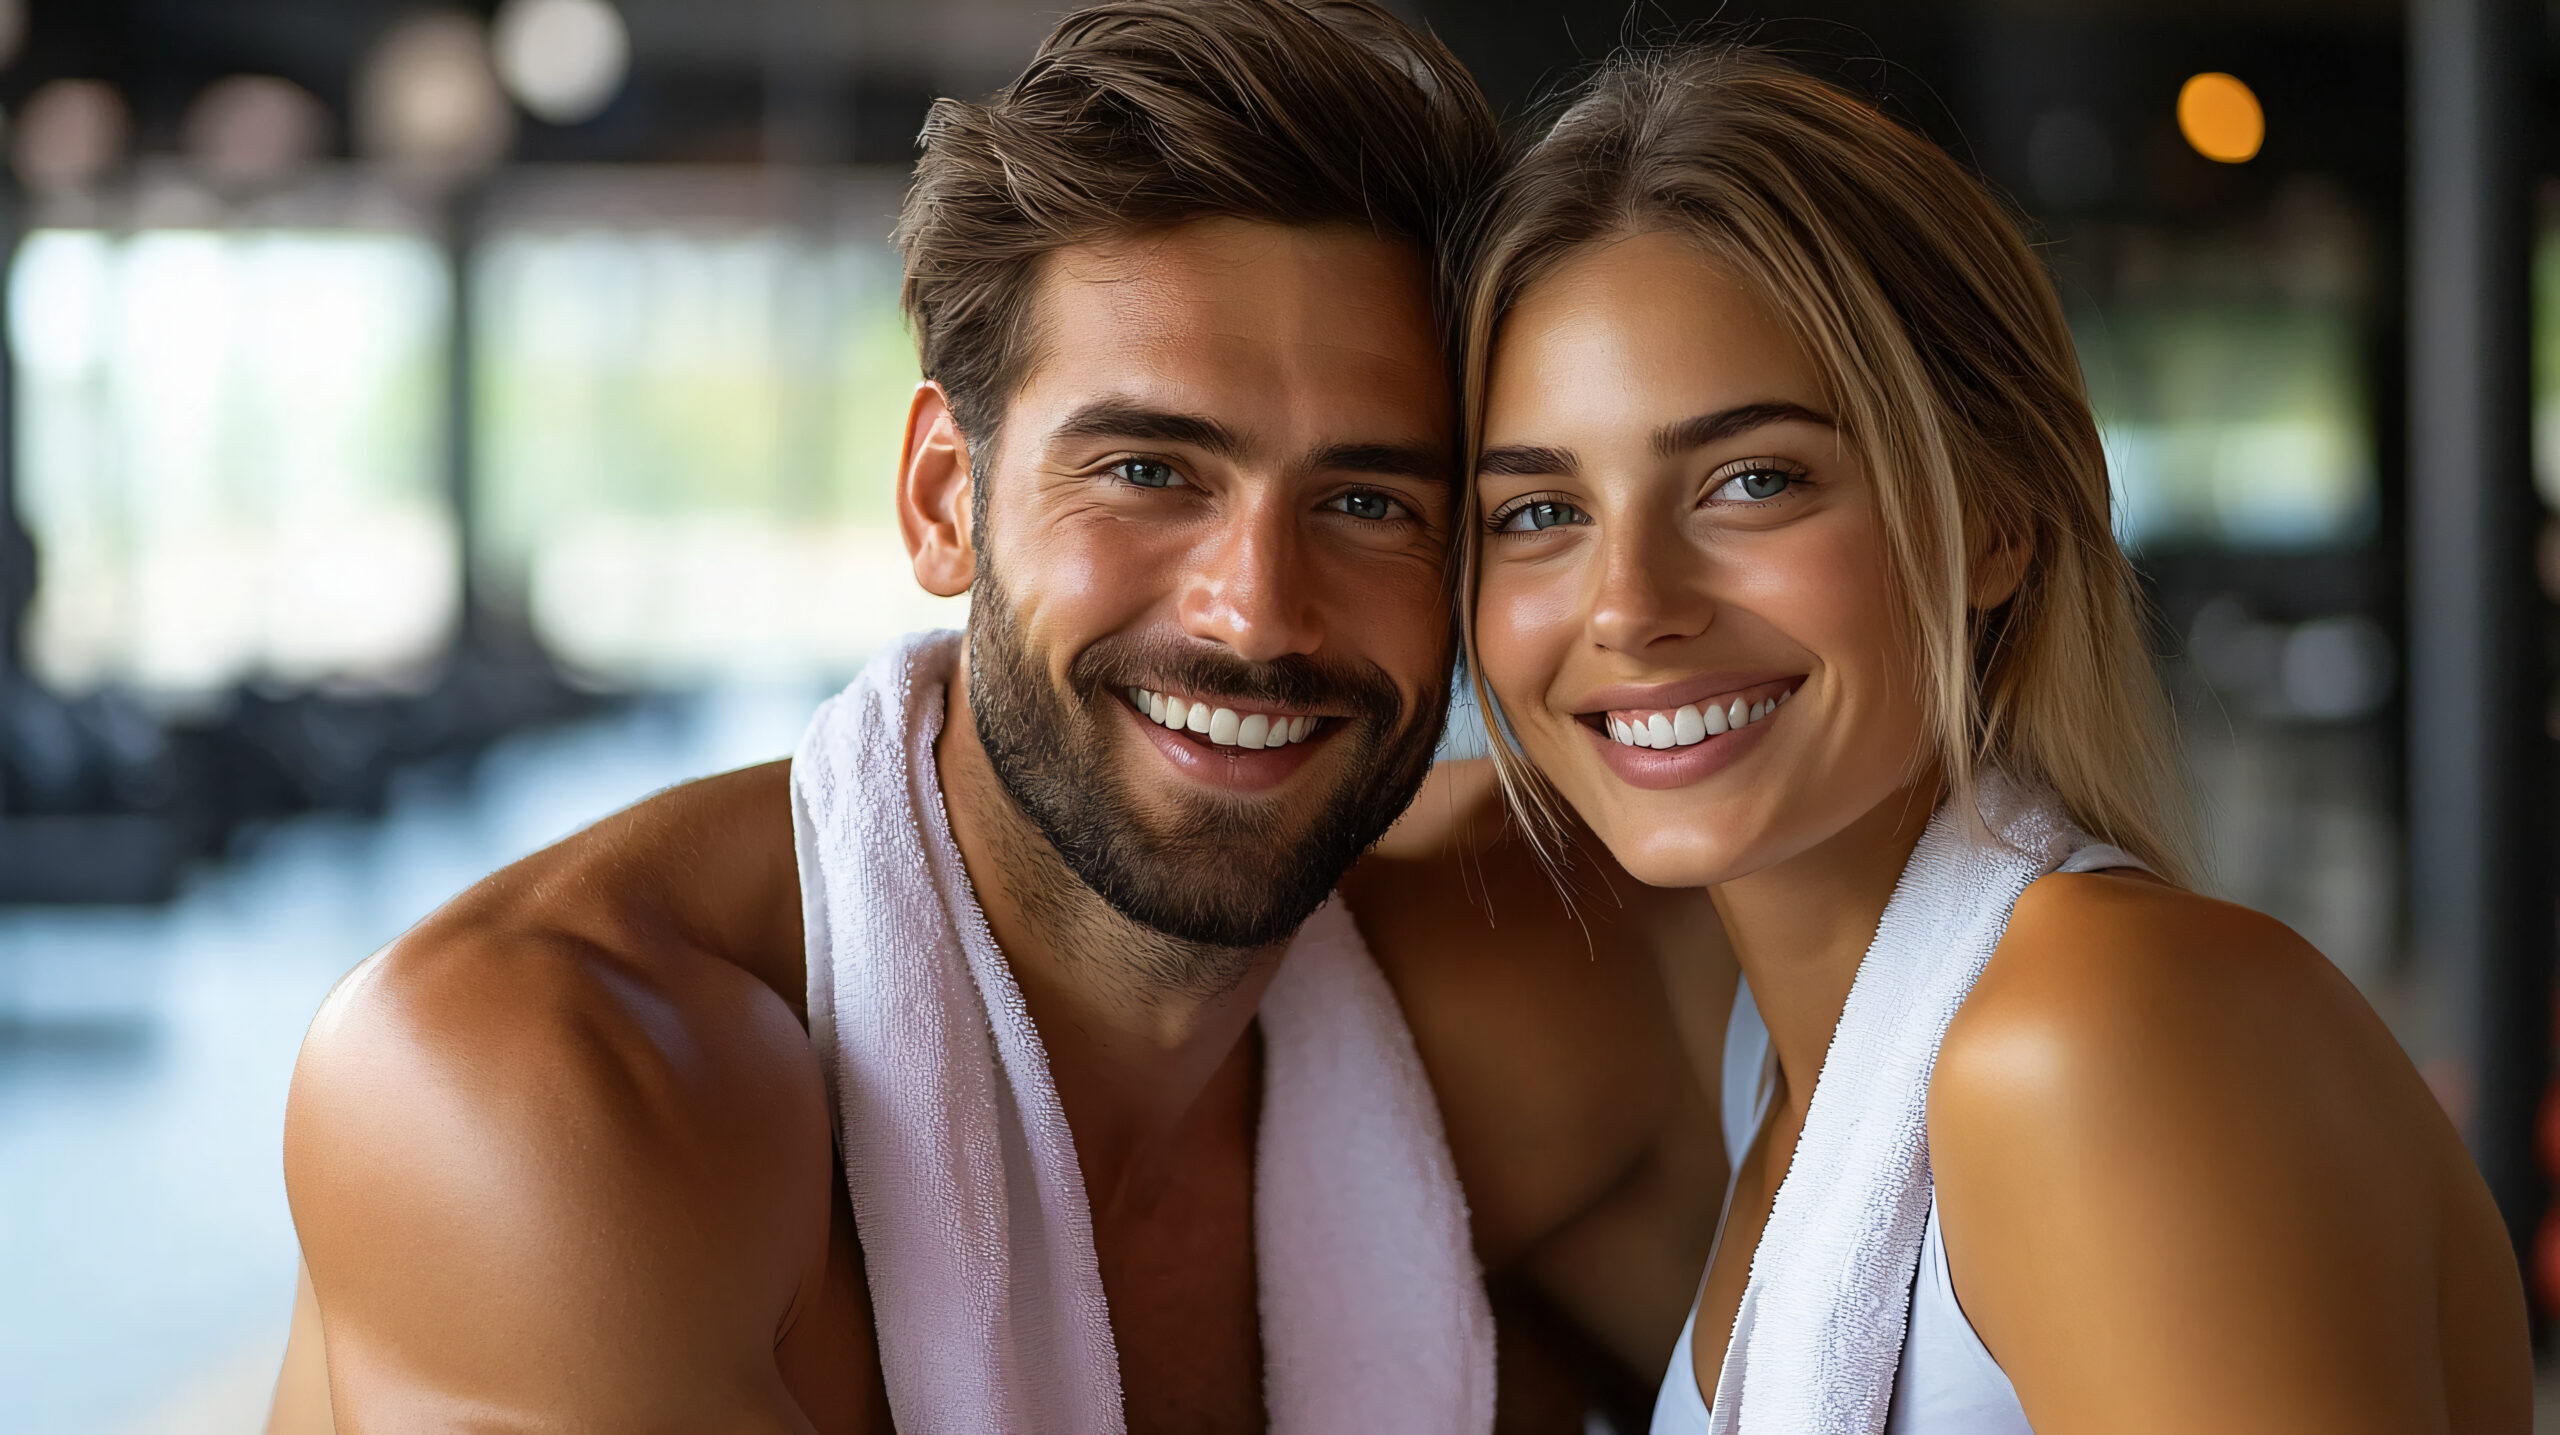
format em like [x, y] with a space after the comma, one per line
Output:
[1793, 578]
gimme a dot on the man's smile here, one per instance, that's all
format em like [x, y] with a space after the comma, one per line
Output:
[1251, 729]
[1248, 748]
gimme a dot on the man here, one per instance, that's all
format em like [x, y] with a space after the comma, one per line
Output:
[563, 1157]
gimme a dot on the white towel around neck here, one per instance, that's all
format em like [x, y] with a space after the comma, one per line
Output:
[1819, 1331]
[976, 1237]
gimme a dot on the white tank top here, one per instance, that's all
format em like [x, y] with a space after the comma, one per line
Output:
[1947, 1382]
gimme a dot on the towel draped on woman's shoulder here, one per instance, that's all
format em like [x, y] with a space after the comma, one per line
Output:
[1819, 1331]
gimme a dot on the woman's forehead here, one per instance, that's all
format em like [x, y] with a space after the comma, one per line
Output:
[1649, 324]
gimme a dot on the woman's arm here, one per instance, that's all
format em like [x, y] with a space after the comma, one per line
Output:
[2190, 1182]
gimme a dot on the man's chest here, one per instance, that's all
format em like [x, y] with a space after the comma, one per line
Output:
[1181, 1280]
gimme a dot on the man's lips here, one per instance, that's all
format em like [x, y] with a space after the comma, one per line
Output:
[1229, 765]
[1250, 727]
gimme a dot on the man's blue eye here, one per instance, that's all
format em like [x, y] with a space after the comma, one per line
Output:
[1370, 506]
[1147, 473]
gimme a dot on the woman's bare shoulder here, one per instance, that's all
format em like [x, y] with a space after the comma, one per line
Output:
[2125, 1023]
[2143, 1034]
[2176, 1153]
[2099, 970]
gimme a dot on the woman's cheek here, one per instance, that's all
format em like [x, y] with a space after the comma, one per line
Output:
[1525, 626]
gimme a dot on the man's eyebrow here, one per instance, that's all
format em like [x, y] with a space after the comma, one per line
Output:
[1673, 440]
[1428, 462]
[1521, 460]
[1128, 419]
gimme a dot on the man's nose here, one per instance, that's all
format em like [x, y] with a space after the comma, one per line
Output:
[1649, 588]
[1249, 587]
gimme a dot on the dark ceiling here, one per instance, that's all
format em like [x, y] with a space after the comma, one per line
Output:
[711, 78]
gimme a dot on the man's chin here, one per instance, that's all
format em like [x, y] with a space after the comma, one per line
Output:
[1200, 907]
[1225, 875]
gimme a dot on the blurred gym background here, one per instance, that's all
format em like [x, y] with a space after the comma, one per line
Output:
[424, 430]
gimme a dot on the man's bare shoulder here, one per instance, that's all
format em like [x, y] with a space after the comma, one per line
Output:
[556, 1150]
[1539, 1007]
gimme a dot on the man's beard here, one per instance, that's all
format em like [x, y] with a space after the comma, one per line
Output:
[1225, 872]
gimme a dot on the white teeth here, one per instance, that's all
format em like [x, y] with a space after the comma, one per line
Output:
[1223, 726]
[1694, 723]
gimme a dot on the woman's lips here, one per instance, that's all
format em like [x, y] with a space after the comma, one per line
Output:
[1694, 722]
[1693, 752]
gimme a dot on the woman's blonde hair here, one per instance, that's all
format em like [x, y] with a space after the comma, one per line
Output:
[1950, 370]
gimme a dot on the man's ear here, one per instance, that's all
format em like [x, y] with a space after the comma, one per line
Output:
[934, 495]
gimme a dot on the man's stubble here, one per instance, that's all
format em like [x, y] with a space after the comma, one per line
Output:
[1222, 877]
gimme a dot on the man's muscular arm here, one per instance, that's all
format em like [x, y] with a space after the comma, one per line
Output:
[553, 1164]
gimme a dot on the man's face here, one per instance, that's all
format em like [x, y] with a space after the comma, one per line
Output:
[1225, 485]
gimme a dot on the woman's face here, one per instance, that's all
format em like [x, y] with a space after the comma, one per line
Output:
[1684, 604]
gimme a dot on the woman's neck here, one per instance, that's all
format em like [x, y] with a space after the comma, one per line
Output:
[1799, 928]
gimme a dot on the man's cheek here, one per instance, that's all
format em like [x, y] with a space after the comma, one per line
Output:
[1089, 583]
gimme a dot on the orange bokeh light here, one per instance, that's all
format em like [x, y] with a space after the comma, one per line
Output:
[2221, 118]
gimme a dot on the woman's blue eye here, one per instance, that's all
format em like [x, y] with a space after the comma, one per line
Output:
[1147, 473]
[1759, 485]
[1537, 517]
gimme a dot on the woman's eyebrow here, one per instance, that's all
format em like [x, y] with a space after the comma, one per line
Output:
[1673, 440]
[1522, 460]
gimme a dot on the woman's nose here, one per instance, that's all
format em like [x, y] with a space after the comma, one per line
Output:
[1650, 589]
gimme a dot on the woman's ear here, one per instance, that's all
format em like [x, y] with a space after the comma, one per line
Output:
[1996, 571]
[934, 496]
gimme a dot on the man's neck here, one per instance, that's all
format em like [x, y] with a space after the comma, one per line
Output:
[1138, 1062]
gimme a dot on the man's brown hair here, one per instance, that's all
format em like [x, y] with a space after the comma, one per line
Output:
[1143, 114]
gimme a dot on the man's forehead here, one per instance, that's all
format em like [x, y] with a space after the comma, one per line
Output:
[1215, 261]
[1231, 314]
